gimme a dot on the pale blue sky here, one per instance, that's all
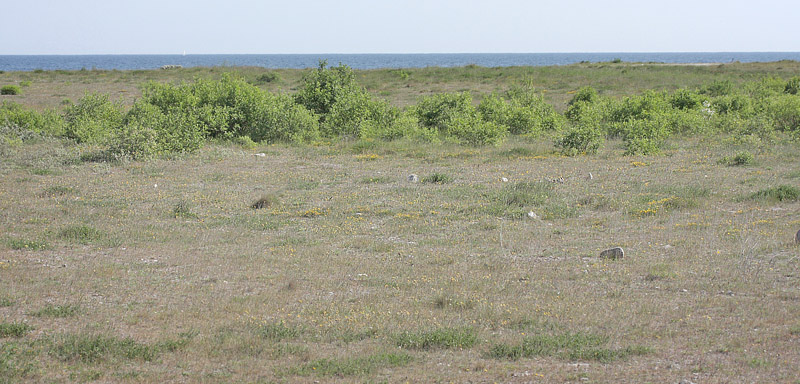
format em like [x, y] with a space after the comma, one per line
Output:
[415, 26]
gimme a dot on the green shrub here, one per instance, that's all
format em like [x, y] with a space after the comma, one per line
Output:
[584, 95]
[719, 88]
[10, 90]
[439, 110]
[733, 104]
[476, 132]
[686, 99]
[48, 122]
[93, 119]
[792, 86]
[644, 137]
[278, 119]
[148, 132]
[785, 112]
[324, 86]
[580, 139]
[526, 112]
[356, 111]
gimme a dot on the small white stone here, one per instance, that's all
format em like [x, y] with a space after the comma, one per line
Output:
[155, 185]
[533, 215]
[413, 178]
[260, 154]
[505, 180]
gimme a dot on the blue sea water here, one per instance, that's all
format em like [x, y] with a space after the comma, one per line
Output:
[371, 61]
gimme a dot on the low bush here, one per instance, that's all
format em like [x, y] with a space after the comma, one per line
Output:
[93, 119]
[10, 90]
[48, 122]
[580, 139]
[323, 87]
[779, 193]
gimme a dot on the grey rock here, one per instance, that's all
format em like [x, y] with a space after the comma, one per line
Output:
[685, 381]
[613, 253]
[413, 178]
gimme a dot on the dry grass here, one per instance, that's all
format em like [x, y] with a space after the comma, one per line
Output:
[352, 273]
[325, 277]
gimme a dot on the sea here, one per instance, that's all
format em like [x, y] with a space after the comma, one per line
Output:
[373, 61]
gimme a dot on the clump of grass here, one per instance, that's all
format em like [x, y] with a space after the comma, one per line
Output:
[93, 348]
[568, 345]
[17, 362]
[6, 302]
[245, 142]
[438, 338]
[264, 202]
[57, 190]
[82, 234]
[68, 310]
[22, 244]
[517, 152]
[795, 330]
[779, 193]
[741, 158]
[14, 329]
[525, 193]
[352, 366]
[183, 209]
[448, 301]
[276, 331]
[437, 178]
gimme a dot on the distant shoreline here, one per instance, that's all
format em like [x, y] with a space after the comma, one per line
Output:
[379, 61]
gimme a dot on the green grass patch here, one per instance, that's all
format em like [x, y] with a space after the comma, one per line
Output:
[740, 159]
[779, 193]
[6, 302]
[438, 338]
[352, 366]
[437, 178]
[17, 362]
[14, 329]
[89, 348]
[68, 310]
[568, 345]
[182, 209]
[276, 331]
[376, 180]
[32, 245]
[81, 234]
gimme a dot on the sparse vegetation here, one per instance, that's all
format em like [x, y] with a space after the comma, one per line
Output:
[14, 329]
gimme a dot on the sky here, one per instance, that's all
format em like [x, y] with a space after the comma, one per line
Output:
[33, 27]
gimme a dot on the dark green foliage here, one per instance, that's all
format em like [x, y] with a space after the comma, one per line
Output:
[584, 95]
[438, 338]
[93, 119]
[741, 158]
[81, 234]
[10, 90]
[525, 112]
[719, 88]
[792, 86]
[268, 77]
[323, 87]
[580, 139]
[47, 122]
[453, 115]
[14, 329]
[686, 99]
[779, 193]
[437, 178]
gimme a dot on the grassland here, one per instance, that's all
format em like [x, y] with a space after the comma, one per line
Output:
[169, 270]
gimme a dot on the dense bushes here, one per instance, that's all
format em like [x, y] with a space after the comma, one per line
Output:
[181, 117]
